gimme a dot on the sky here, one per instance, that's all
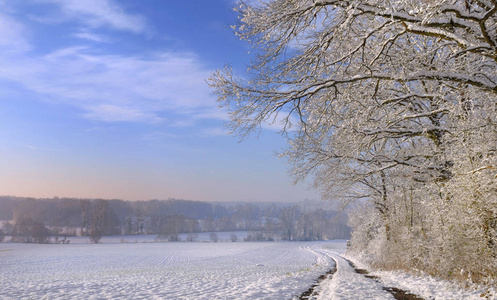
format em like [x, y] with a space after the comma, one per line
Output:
[108, 99]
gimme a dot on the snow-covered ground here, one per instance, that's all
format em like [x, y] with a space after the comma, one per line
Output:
[270, 270]
[347, 284]
[428, 287]
[224, 236]
[135, 267]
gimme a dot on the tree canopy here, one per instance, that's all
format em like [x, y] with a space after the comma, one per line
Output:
[390, 101]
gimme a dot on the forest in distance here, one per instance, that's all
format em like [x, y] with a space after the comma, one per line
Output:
[53, 220]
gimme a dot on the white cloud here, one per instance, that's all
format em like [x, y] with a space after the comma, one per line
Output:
[277, 122]
[102, 129]
[100, 83]
[108, 87]
[160, 135]
[12, 35]
[215, 131]
[99, 13]
[86, 35]
[115, 87]
[112, 113]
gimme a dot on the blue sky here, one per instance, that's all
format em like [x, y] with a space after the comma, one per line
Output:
[107, 99]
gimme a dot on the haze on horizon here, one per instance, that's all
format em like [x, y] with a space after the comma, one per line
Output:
[107, 99]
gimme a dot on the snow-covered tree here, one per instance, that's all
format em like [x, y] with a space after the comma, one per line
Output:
[390, 101]
[288, 220]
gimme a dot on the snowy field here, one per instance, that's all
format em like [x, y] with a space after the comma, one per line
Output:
[184, 270]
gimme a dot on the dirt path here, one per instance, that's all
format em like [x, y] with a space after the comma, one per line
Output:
[312, 291]
[397, 293]
[326, 282]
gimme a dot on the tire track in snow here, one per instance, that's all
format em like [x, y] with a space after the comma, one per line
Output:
[397, 293]
[313, 290]
[346, 281]
[321, 257]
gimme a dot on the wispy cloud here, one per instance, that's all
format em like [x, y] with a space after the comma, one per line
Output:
[108, 87]
[102, 129]
[112, 113]
[86, 35]
[12, 35]
[45, 149]
[160, 135]
[215, 131]
[100, 13]
[277, 122]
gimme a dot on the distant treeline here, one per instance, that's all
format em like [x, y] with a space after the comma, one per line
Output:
[52, 220]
